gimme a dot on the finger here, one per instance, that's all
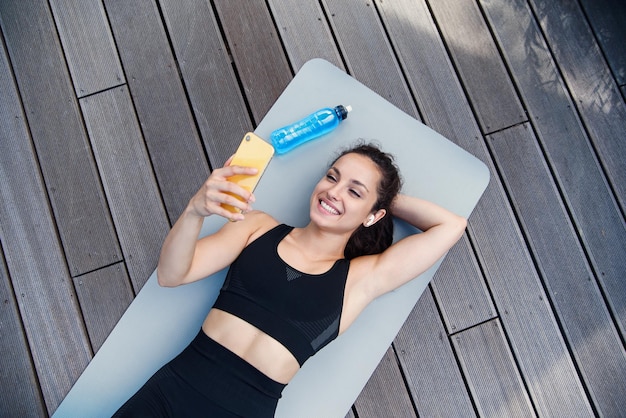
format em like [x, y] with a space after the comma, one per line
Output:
[232, 170]
[232, 216]
[236, 202]
[239, 169]
[229, 160]
[218, 190]
[229, 193]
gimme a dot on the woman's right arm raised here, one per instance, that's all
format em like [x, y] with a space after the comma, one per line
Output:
[184, 258]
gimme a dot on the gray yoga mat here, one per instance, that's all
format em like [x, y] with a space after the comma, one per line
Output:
[160, 322]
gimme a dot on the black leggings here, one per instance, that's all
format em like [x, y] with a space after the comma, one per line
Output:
[205, 380]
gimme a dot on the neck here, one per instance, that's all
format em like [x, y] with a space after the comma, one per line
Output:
[326, 245]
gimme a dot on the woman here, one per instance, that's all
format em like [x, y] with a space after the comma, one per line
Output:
[289, 291]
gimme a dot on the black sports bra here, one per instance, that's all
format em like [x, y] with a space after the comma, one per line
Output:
[301, 311]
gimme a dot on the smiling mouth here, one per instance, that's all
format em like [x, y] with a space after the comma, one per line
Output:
[328, 208]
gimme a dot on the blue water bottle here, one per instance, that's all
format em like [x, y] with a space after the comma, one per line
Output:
[315, 125]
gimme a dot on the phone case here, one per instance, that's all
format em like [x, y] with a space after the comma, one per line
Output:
[252, 152]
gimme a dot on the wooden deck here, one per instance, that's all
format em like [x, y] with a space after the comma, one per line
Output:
[112, 113]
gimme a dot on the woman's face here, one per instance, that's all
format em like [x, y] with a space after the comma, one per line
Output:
[344, 198]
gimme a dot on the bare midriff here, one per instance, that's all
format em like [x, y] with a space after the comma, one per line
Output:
[251, 344]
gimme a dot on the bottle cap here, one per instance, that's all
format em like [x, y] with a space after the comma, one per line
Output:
[342, 111]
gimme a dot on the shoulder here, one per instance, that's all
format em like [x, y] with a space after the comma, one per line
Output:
[235, 236]
[257, 223]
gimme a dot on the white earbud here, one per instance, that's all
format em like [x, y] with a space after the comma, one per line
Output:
[370, 220]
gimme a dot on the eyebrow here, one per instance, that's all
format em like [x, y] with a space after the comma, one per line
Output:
[358, 183]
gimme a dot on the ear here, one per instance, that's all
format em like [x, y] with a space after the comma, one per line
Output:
[375, 217]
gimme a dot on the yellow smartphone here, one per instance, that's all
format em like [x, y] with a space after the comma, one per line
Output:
[252, 152]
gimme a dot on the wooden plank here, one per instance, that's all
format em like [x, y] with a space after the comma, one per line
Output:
[128, 180]
[501, 250]
[429, 72]
[479, 65]
[591, 203]
[588, 326]
[88, 44]
[207, 71]
[103, 295]
[258, 55]
[461, 290]
[168, 127]
[385, 394]
[20, 395]
[590, 83]
[58, 133]
[305, 32]
[367, 51]
[431, 370]
[20, 389]
[493, 378]
[607, 18]
[39, 277]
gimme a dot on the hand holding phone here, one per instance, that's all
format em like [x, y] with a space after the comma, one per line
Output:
[252, 152]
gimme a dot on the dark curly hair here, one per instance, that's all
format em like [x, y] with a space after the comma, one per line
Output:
[378, 237]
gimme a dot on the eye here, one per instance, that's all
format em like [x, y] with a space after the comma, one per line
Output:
[331, 178]
[355, 193]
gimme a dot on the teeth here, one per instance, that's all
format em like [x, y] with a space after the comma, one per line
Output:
[328, 208]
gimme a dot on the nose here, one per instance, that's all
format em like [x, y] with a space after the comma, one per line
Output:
[333, 192]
